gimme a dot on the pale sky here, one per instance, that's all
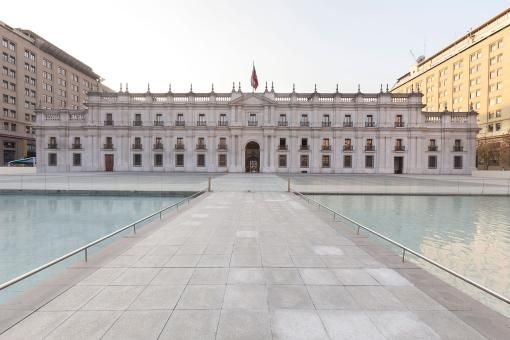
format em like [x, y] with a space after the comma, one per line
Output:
[294, 41]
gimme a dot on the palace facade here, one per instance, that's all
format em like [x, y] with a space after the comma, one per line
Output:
[293, 132]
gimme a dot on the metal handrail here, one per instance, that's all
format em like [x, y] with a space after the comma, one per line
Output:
[93, 243]
[406, 249]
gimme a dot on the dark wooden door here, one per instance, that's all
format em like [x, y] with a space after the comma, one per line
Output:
[399, 165]
[108, 162]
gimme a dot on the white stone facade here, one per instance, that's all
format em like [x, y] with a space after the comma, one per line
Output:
[289, 133]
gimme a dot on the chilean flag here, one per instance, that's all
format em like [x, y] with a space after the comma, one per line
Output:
[254, 79]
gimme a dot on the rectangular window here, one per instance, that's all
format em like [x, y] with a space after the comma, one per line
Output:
[347, 161]
[432, 162]
[137, 159]
[76, 159]
[179, 160]
[200, 160]
[158, 159]
[282, 161]
[303, 161]
[52, 159]
[457, 162]
[325, 161]
[222, 160]
[369, 161]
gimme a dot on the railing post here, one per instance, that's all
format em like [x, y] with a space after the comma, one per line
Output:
[134, 228]
[209, 184]
[160, 215]
[288, 184]
[403, 254]
[86, 254]
[334, 216]
[357, 231]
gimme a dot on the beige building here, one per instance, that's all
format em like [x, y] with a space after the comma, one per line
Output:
[33, 72]
[473, 71]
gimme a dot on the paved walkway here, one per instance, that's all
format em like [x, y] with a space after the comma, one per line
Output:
[242, 265]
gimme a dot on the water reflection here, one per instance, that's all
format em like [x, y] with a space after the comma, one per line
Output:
[468, 234]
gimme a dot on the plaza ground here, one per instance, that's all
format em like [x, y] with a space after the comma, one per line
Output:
[248, 261]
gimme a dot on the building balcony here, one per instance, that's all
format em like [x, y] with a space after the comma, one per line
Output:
[108, 146]
[137, 123]
[458, 148]
[432, 147]
[399, 124]
[201, 123]
[136, 146]
[179, 123]
[201, 147]
[159, 123]
[369, 124]
[108, 123]
[369, 148]
[283, 147]
[75, 146]
[252, 123]
[326, 147]
[400, 148]
[348, 124]
[326, 124]
[348, 148]
[52, 146]
[179, 146]
[157, 146]
[283, 123]
[304, 147]
[304, 123]
[222, 147]
[222, 123]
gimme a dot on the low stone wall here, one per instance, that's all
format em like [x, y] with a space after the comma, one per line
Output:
[17, 170]
[491, 173]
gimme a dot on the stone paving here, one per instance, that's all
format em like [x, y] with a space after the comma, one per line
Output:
[257, 265]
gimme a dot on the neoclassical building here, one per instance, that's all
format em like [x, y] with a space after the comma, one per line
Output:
[292, 132]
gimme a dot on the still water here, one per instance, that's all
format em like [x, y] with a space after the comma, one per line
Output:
[36, 229]
[470, 235]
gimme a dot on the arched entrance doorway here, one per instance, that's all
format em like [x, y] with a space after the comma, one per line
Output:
[252, 157]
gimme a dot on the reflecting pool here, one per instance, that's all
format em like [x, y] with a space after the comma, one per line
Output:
[470, 235]
[35, 229]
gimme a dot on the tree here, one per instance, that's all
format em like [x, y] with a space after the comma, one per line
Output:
[488, 152]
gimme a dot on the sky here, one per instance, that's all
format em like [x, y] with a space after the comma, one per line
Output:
[299, 42]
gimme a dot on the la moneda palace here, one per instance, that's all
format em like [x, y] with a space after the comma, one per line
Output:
[292, 132]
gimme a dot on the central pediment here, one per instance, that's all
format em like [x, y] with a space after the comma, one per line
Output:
[252, 99]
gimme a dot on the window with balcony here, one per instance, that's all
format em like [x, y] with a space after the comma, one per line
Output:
[457, 162]
[76, 159]
[138, 120]
[137, 159]
[76, 143]
[369, 161]
[52, 143]
[159, 120]
[347, 144]
[282, 161]
[432, 145]
[325, 161]
[282, 146]
[180, 120]
[457, 146]
[370, 121]
[52, 159]
[398, 145]
[304, 120]
[304, 144]
[108, 120]
[201, 160]
[325, 146]
[179, 144]
[325, 121]
[399, 121]
[432, 162]
[282, 121]
[201, 120]
[223, 120]
[303, 161]
[347, 161]
[137, 144]
[252, 120]
[158, 143]
[109, 143]
[222, 160]
[158, 160]
[179, 160]
[369, 146]
[201, 143]
[347, 121]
